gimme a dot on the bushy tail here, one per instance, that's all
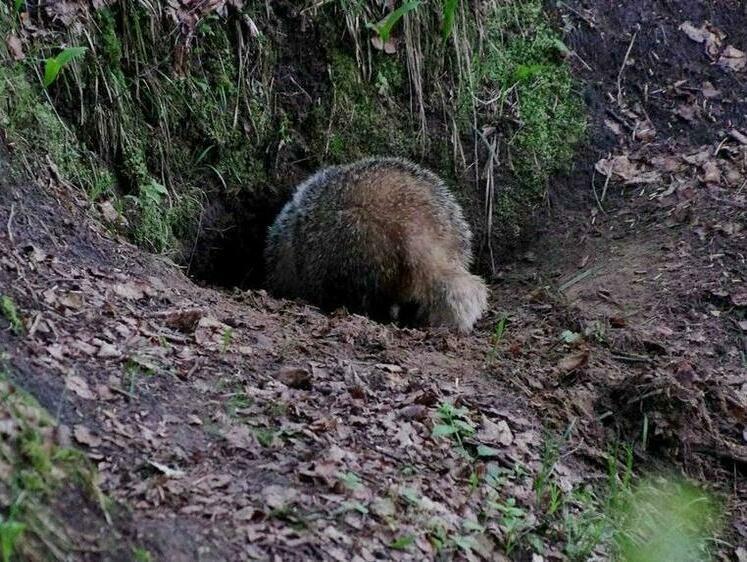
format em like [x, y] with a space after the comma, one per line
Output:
[455, 298]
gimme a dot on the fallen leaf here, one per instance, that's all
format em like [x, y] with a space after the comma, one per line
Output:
[732, 58]
[129, 290]
[108, 351]
[72, 300]
[167, 471]
[496, 433]
[211, 332]
[709, 90]
[487, 452]
[277, 497]
[743, 325]
[698, 158]
[15, 47]
[79, 386]
[240, 437]
[104, 392]
[711, 173]
[687, 112]
[56, 351]
[574, 361]
[710, 36]
[739, 298]
[685, 373]
[414, 412]
[84, 436]
[614, 127]
[295, 377]
[667, 164]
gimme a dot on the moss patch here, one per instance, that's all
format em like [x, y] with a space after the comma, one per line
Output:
[364, 118]
[35, 470]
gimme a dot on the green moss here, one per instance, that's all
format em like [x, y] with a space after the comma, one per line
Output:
[364, 118]
[9, 310]
[38, 470]
[112, 47]
[523, 63]
[33, 124]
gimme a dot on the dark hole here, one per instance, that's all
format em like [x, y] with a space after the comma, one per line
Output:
[230, 238]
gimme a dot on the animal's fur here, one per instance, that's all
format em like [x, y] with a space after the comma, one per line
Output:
[376, 236]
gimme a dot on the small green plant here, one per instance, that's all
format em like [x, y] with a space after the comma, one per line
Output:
[402, 543]
[385, 26]
[141, 555]
[10, 312]
[454, 423]
[667, 519]
[513, 521]
[543, 482]
[499, 330]
[237, 401]
[53, 65]
[10, 533]
[226, 339]
[449, 13]
[265, 436]
[350, 480]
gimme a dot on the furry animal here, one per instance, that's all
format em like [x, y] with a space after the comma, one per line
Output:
[381, 236]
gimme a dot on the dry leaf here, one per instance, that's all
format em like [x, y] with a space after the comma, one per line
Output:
[240, 437]
[84, 436]
[295, 377]
[733, 59]
[15, 47]
[72, 300]
[129, 290]
[79, 386]
[707, 34]
[574, 361]
[108, 351]
[167, 471]
[711, 173]
[495, 433]
[709, 90]
[277, 497]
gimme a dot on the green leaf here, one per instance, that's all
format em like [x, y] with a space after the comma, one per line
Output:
[411, 496]
[570, 337]
[350, 480]
[19, 5]
[450, 7]
[485, 451]
[443, 430]
[464, 426]
[385, 26]
[561, 47]
[403, 542]
[70, 53]
[53, 66]
[10, 532]
[51, 70]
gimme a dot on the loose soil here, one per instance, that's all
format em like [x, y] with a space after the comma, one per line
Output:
[235, 425]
